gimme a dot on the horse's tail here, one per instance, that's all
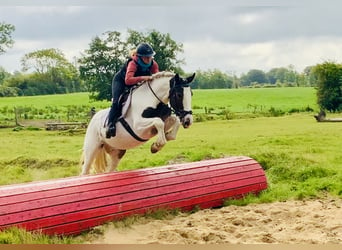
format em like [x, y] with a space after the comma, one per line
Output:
[100, 161]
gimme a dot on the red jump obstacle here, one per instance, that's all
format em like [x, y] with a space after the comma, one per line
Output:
[72, 205]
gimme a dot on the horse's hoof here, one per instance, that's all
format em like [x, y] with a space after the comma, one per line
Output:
[154, 148]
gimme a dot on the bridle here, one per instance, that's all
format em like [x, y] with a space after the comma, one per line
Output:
[176, 98]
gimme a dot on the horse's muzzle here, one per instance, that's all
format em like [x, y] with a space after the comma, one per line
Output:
[187, 121]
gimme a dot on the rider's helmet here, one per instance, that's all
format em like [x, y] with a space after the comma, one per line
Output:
[144, 49]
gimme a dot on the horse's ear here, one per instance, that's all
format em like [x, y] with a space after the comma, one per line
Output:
[190, 78]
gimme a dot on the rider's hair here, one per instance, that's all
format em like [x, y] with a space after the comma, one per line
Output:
[132, 52]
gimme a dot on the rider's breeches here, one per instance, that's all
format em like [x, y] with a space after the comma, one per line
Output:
[118, 86]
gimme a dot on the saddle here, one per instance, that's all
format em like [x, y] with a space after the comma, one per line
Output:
[125, 100]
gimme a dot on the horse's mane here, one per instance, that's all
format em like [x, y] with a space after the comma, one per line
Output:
[163, 74]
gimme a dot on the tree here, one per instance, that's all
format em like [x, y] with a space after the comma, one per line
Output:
[52, 73]
[310, 76]
[42, 61]
[290, 75]
[254, 76]
[166, 49]
[272, 75]
[107, 54]
[3, 75]
[6, 40]
[212, 79]
[8, 91]
[329, 86]
[100, 62]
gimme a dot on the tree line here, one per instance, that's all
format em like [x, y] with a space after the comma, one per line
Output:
[47, 71]
[276, 77]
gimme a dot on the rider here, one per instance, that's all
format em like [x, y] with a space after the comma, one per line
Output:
[138, 68]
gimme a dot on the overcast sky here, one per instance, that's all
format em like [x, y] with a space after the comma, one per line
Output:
[232, 36]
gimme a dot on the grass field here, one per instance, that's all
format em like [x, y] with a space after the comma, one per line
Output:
[253, 100]
[301, 158]
[213, 104]
[238, 100]
[294, 150]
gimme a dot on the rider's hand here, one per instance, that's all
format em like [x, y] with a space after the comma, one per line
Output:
[147, 78]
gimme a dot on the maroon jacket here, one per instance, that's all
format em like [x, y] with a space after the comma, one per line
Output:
[132, 68]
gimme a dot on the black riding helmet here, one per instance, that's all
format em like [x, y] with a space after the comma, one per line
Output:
[144, 49]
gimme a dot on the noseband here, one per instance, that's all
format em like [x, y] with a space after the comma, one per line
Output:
[176, 100]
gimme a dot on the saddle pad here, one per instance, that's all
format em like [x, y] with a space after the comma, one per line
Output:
[126, 104]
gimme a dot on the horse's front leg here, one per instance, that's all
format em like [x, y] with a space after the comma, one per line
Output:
[172, 125]
[157, 128]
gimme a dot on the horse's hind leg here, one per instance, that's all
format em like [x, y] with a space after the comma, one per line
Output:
[91, 148]
[115, 155]
[88, 158]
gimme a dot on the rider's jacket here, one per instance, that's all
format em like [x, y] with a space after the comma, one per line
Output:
[131, 72]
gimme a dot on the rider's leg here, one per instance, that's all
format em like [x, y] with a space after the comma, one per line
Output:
[118, 87]
[112, 117]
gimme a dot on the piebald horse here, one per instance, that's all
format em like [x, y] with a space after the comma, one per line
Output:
[148, 115]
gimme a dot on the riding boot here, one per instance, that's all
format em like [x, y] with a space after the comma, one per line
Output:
[112, 119]
[111, 131]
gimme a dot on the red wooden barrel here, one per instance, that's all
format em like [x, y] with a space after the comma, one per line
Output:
[72, 205]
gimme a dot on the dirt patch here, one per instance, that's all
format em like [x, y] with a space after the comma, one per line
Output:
[310, 221]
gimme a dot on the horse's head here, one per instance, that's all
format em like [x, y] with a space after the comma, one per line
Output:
[180, 98]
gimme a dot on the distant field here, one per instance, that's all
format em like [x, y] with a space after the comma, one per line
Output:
[218, 103]
[49, 100]
[248, 100]
[66, 107]
[238, 100]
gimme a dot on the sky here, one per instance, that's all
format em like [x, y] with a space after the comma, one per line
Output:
[231, 36]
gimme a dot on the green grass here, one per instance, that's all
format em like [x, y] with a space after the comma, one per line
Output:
[49, 100]
[66, 107]
[238, 100]
[20, 236]
[301, 157]
[256, 100]
[207, 104]
[38, 155]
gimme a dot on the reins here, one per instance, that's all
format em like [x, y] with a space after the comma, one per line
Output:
[154, 93]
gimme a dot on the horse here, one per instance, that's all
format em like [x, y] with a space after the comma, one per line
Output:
[156, 108]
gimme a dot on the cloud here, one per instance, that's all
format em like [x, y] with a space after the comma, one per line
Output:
[47, 10]
[238, 58]
[221, 34]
